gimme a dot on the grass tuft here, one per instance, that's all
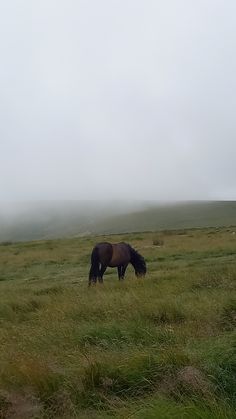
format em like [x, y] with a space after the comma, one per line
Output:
[228, 317]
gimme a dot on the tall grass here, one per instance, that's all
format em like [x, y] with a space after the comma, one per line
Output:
[163, 346]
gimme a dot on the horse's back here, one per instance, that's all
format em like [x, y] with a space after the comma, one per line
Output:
[111, 254]
[120, 255]
[104, 252]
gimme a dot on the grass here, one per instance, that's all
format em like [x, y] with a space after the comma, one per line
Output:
[159, 347]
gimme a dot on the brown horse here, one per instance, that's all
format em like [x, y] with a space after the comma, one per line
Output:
[114, 255]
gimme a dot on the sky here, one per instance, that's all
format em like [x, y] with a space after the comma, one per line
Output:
[117, 99]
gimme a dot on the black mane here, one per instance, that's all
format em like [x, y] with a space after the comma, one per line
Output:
[137, 261]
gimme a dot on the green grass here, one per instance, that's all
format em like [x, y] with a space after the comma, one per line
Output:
[159, 347]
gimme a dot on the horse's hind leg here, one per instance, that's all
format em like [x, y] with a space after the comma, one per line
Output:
[101, 273]
[93, 274]
[94, 270]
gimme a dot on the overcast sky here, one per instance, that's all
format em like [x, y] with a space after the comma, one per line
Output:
[117, 99]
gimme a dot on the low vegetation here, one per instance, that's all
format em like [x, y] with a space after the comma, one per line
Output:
[159, 347]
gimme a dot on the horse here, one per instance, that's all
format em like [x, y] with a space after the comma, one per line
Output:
[114, 255]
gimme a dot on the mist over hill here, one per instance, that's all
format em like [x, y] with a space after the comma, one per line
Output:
[47, 220]
[51, 219]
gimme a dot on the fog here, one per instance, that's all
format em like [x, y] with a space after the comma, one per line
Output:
[117, 99]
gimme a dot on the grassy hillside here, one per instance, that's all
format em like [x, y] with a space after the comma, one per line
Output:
[159, 347]
[47, 220]
[174, 216]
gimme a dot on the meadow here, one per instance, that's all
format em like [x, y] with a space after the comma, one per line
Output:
[160, 347]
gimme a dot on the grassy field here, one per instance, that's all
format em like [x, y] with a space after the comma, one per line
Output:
[159, 347]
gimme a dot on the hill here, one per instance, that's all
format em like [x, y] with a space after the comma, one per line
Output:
[47, 220]
[172, 216]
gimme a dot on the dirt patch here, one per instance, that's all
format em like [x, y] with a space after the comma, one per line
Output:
[4, 405]
[193, 380]
[17, 406]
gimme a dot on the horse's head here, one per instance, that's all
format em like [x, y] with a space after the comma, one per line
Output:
[140, 273]
[140, 267]
[138, 262]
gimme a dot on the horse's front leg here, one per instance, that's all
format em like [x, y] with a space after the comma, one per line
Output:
[123, 270]
[119, 271]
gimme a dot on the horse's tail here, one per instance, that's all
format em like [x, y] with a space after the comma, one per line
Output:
[138, 262]
[94, 270]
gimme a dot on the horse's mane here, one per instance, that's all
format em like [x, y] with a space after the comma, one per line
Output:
[137, 261]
